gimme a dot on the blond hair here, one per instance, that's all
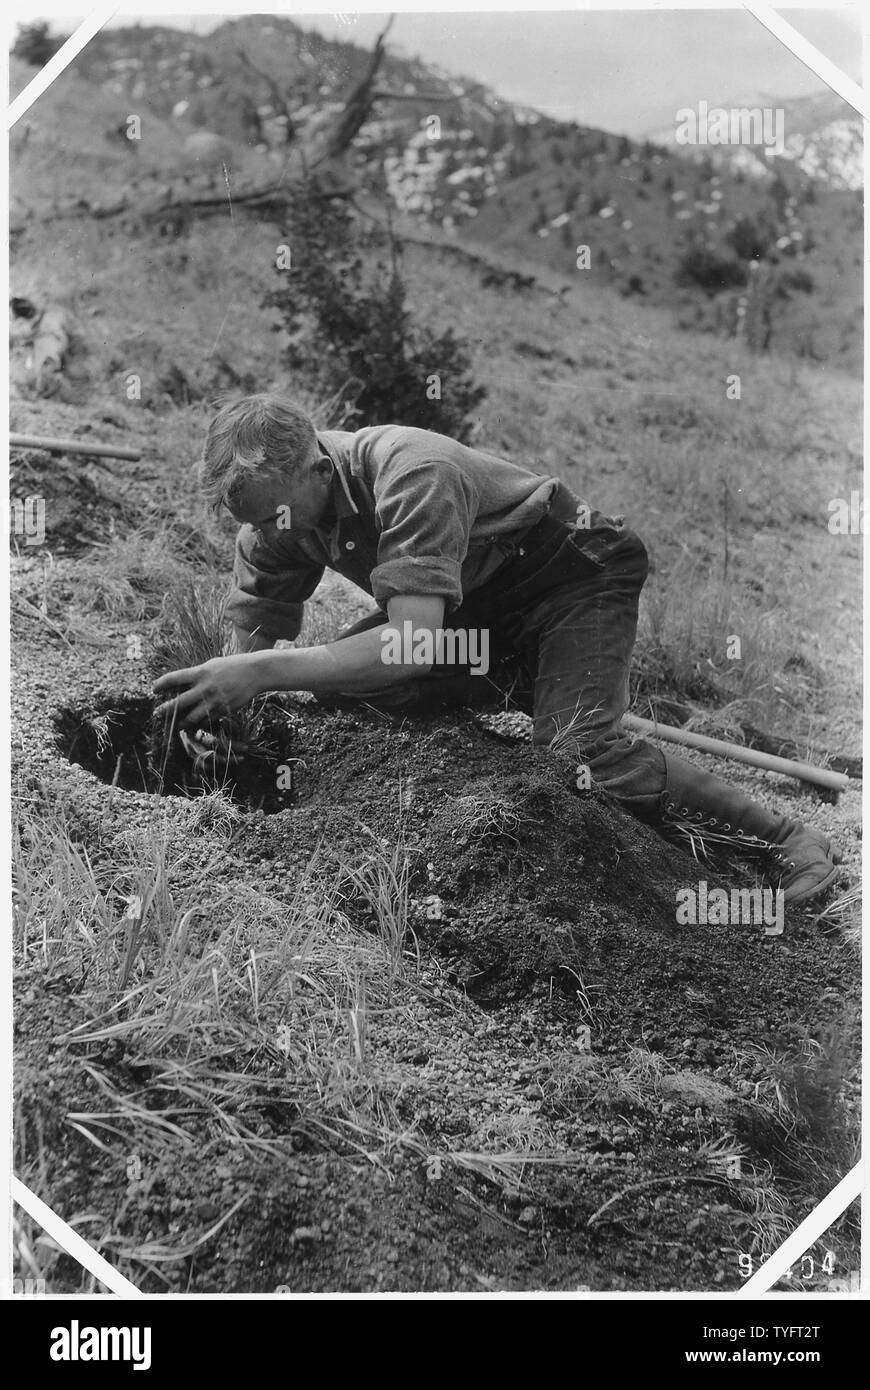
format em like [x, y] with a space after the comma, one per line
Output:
[250, 436]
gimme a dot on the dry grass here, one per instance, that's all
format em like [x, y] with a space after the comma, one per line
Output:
[481, 816]
[227, 998]
[689, 626]
[380, 882]
[192, 628]
[844, 914]
[128, 577]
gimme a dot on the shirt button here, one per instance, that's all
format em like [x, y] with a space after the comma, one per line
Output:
[349, 545]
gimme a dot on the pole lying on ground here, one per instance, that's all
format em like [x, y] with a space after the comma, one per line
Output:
[73, 446]
[804, 772]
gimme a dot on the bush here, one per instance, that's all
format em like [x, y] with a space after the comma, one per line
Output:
[704, 266]
[349, 325]
[35, 44]
[751, 237]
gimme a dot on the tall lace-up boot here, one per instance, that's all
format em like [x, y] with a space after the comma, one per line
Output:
[800, 861]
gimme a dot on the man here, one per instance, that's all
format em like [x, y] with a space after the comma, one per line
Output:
[432, 528]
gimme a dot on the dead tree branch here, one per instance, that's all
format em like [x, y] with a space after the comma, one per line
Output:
[357, 107]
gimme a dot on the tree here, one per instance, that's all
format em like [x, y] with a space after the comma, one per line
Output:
[323, 148]
[349, 325]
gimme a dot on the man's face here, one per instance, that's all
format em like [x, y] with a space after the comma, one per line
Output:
[279, 505]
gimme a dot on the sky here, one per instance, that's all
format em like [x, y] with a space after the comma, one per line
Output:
[625, 70]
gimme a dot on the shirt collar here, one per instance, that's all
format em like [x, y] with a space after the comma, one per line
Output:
[341, 503]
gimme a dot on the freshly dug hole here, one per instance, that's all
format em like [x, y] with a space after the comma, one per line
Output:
[120, 743]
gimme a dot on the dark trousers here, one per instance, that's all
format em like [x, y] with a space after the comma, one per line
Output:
[561, 614]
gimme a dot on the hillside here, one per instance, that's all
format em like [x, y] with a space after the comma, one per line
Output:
[422, 1019]
[507, 178]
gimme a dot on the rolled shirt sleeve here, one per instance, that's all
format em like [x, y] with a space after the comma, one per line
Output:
[269, 589]
[425, 511]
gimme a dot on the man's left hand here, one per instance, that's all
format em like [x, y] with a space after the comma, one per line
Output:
[216, 688]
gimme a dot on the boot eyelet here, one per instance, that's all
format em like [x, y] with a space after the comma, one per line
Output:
[699, 815]
[741, 836]
[713, 820]
[725, 825]
[685, 811]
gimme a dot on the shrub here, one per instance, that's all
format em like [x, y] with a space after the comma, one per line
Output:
[347, 324]
[703, 265]
[751, 237]
[36, 44]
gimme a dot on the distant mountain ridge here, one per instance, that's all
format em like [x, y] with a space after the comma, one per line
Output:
[823, 137]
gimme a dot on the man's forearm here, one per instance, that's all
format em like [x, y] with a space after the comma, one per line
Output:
[351, 664]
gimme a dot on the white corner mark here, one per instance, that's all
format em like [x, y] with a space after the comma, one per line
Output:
[810, 56]
[62, 59]
[72, 1242]
[815, 1225]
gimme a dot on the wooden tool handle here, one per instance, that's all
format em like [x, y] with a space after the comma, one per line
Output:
[804, 772]
[73, 446]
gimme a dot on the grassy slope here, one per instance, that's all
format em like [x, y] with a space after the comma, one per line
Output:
[633, 416]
